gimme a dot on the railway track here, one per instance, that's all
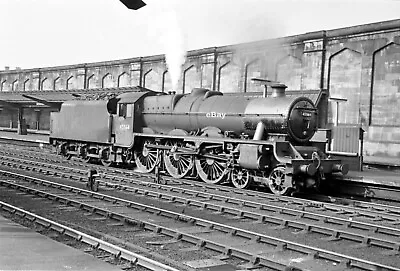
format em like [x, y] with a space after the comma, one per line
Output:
[106, 251]
[350, 188]
[229, 206]
[77, 171]
[353, 189]
[258, 238]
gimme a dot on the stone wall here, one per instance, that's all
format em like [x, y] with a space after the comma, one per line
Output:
[360, 64]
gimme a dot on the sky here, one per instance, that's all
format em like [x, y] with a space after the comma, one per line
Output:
[45, 33]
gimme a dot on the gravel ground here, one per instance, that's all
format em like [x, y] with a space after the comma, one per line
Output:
[134, 237]
[62, 238]
[81, 220]
[288, 234]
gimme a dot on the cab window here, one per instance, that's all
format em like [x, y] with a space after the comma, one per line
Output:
[122, 110]
[129, 110]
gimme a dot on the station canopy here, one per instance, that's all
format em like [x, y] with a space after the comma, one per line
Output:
[54, 98]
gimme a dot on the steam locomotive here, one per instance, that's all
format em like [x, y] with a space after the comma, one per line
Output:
[218, 138]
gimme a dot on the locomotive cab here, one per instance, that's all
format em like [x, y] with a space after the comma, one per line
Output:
[128, 117]
[124, 123]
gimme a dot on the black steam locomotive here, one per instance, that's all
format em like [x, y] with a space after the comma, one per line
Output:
[264, 141]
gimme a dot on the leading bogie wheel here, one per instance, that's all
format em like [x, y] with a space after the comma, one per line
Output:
[277, 182]
[241, 178]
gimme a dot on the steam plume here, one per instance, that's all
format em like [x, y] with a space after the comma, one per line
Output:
[174, 43]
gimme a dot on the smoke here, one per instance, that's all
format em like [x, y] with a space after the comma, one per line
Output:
[175, 51]
[166, 30]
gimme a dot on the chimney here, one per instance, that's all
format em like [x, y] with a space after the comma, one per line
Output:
[278, 90]
[7, 68]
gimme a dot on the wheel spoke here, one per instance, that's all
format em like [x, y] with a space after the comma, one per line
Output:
[210, 170]
[241, 178]
[146, 159]
[277, 182]
[177, 165]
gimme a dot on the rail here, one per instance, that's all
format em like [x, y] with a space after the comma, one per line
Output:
[117, 251]
[280, 244]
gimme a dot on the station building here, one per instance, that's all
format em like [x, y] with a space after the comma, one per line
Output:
[355, 69]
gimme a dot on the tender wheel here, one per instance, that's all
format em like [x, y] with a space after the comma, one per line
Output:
[211, 170]
[105, 157]
[62, 150]
[277, 182]
[146, 159]
[58, 149]
[177, 165]
[241, 178]
[106, 163]
[127, 156]
[85, 158]
[66, 155]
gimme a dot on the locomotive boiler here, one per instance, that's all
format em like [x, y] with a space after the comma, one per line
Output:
[216, 137]
[237, 115]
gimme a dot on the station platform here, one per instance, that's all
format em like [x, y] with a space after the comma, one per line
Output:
[30, 137]
[371, 175]
[375, 176]
[23, 249]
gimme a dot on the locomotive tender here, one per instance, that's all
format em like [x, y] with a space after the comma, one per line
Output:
[216, 137]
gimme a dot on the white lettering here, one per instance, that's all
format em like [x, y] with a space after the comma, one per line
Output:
[124, 126]
[215, 115]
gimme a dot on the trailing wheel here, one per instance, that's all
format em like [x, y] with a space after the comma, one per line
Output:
[178, 165]
[241, 178]
[146, 159]
[277, 182]
[211, 170]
